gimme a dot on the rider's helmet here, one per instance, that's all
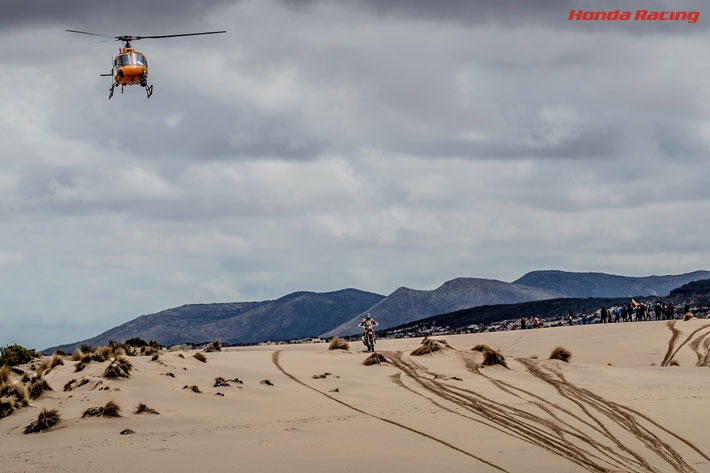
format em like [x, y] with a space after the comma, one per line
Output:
[368, 316]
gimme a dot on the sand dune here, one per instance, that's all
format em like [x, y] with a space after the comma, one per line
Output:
[619, 405]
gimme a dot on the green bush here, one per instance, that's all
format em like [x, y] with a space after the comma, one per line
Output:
[136, 342]
[14, 355]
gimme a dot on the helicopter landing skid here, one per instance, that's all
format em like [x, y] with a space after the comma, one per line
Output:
[149, 90]
[110, 91]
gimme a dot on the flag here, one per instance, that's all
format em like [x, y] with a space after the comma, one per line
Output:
[636, 304]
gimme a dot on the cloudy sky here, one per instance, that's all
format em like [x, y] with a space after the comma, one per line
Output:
[328, 144]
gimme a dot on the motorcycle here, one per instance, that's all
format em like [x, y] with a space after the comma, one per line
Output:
[369, 339]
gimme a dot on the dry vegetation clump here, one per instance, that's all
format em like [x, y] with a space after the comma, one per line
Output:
[119, 368]
[155, 357]
[688, 316]
[169, 373]
[490, 356]
[37, 386]
[674, 363]
[49, 364]
[47, 419]
[338, 344]
[143, 409]
[429, 345]
[562, 354]
[214, 346]
[111, 409]
[12, 397]
[4, 374]
[200, 357]
[220, 382]
[375, 359]
[266, 382]
[60, 352]
[192, 388]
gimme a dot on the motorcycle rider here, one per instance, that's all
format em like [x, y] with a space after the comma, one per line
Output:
[367, 323]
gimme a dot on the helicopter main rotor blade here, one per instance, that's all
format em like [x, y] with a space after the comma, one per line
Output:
[92, 34]
[176, 35]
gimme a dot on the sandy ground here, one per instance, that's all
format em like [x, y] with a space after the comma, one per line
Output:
[613, 408]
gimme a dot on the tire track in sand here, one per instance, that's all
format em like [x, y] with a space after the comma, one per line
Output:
[554, 434]
[275, 359]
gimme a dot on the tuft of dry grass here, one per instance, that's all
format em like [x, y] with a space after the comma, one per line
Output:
[266, 382]
[562, 354]
[200, 357]
[220, 382]
[119, 368]
[674, 363]
[490, 356]
[4, 374]
[37, 386]
[214, 346]
[111, 409]
[77, 355]
[60, 352]
[47, 419]
[155, 357]
[49, 364]
[192, 388]
[143, 409]
[6, 408]
[429, 345]
[15, 393]
[338, 344]
[688, 316]
[375, 359]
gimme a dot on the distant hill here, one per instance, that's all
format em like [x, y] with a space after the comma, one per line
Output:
[405, 304]
[485, 318]
[607, 285]
[695, 288]
[301, 314]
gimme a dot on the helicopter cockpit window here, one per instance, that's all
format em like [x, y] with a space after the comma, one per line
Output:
[139, 59]
[123, 60]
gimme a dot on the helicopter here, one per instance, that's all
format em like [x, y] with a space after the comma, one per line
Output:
[131, 67]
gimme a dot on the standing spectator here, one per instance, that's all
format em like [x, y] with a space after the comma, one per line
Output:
[658, 310]
[624, 314]
[670, 312]
[687, 307]
[522, 323]
[536, 322]
[604, 315]
[570, 318]
[617, 314]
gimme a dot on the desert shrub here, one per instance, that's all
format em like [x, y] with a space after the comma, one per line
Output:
[47, 419]
[155, 345]
[374, 359]
[119, 368]
[4, 374]
[687, 316]
[136, 342]
[533, 356]
[490, 356]
[338, 344]
[15, 392]
[111, 409]
[200, 357]
[86, 348]
[214, 346]
[13, 355]
[143, 409]
[155, 357]
[77, 355]
[192, 388]
[37, 386]
[6, 408]
[49, 364]
[266, 382]
[562, 354]
[429, 345]
[60, 352]
[220, 382]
